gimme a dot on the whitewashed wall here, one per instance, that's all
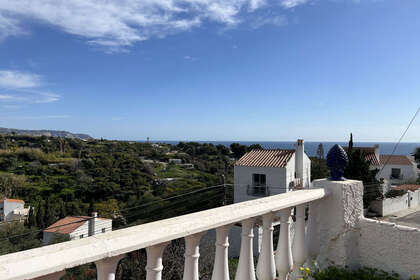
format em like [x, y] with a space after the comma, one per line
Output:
[8, 207]
[390, 247]
[275, 177]
[390, 205]
[100, 224]
[409, 173]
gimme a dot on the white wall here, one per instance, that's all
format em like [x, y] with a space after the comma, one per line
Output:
[390, 205]
[389, 247]
[409, 173]
[8, 208]
[275, 178]
[82, 230]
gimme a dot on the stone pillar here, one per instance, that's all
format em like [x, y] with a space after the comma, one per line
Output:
[154, 265]
[107, 268]
[284, 260]
[192, 253]
[266, 268]
[299, 251]
[245, 269]
[338, 217]
[221, 263]
[52, 276]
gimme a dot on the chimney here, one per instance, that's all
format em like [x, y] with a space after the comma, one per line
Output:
[92, 223]
[376, 147]
[300, 150]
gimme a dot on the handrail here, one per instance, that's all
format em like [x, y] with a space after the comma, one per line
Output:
[53, 258]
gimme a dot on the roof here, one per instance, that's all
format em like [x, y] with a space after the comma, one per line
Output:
[396, 160]
[266, 158]
[408, 187]
[369, 153]
[68, 224]
[12, 200]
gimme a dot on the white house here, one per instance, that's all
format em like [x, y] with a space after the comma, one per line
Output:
[398, 169]
[77, 227]
[267, 172]
[394, 169]
[12, 210]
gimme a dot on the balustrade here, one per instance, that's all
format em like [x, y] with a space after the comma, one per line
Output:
[108, 249]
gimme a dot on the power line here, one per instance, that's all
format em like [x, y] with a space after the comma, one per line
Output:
[402, 136]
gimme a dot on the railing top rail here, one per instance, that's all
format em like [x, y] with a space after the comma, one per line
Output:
[49, 259]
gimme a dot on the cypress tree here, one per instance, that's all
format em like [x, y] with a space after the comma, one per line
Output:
[40, 215]
[49, 218]
[31, 221]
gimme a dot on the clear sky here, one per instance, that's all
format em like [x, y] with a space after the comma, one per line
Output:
[212, 69]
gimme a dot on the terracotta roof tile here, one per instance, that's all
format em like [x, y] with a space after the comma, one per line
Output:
[369, 153]
[12, 200]
[408, 187]
[68, 224]
[266, 158]
[395, 160]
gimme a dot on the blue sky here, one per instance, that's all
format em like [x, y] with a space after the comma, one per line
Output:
[212, 69]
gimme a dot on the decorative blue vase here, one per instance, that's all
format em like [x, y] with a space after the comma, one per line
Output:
[337, 161]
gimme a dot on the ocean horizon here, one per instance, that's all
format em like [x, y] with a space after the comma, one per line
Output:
[312, 146]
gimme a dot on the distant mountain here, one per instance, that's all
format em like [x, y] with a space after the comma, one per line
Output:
[54, 133]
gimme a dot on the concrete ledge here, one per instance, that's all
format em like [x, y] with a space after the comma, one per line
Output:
[49, 259]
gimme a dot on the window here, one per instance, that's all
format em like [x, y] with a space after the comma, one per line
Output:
[81, 236]
[395, 173]
[258, 180]
[259, 187]
[103, 230]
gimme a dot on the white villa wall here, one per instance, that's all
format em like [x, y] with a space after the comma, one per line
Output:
[82, 230]
[414, 199]
[8, 207]
[275, 177]
[390, 205]
[408, 172]
[389, 247]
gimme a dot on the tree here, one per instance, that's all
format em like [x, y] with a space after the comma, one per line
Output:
[255, 147]
[417, 156]
[320, 151]
[359, 169]
[238, 150]
[31, 222]
[50, 217]
[40, 215]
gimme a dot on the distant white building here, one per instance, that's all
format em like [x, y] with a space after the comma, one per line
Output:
[77, 227]
[398, 169]
[269, 172]
[12, 210]
[393, 169]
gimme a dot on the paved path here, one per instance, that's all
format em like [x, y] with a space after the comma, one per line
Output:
[409, 217]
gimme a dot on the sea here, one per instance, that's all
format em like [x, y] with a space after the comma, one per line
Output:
[312, 146]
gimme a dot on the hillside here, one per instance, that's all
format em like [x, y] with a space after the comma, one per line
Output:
[44, 132]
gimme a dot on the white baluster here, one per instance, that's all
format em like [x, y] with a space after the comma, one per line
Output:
[299, 248]
[284, 261]
[192, 253]
[312, 236]
[107, 268]
[52, 276]
[246, 259]
[154, 265]
[266, 268]
[221, 264]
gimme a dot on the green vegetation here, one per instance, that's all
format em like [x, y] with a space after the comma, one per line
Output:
[127, 181]
[344, 273]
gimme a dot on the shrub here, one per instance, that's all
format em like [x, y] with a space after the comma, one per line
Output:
[395, 193]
